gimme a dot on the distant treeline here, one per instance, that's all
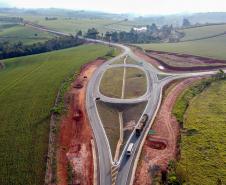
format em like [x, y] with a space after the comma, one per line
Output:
[11, 19]
[9, 50]
[51, 18]
[151, 33]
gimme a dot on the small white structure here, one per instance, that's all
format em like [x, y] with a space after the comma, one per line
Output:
[140, 29]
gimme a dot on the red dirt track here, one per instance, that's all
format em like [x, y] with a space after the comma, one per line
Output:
[162, 146]
[182, 62]
[76, 134]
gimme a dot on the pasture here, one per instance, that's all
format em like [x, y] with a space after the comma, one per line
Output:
[27, 35]
[213, 48]
[203, 142]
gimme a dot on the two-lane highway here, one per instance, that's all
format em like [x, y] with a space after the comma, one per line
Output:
[125, 164]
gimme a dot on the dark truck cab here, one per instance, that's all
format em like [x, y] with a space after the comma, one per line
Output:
[141, 124]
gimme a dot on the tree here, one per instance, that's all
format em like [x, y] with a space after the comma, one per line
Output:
[186, 23]
[92, 33]
[220, 75]
[108, 36]
[114, 37]
[79, 33]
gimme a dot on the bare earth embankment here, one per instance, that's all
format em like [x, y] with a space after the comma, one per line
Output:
[171, 62]
[75, 134]
[162, 146]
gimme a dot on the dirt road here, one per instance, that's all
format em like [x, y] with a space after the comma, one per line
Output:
[162, 146]
[75, 134]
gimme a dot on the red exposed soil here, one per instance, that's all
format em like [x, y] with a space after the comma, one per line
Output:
[75, 134]
[162, 147]
[156, 143]
[180, 62]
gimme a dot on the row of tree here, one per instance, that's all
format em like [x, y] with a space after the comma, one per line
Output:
[151, 34]
[9, 50]
[11, 19]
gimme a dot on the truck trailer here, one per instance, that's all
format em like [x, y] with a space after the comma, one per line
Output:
[141, 124]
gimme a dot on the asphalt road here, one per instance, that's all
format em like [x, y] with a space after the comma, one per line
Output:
[153, 96]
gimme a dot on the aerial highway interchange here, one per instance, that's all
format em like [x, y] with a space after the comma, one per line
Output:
[122, 171]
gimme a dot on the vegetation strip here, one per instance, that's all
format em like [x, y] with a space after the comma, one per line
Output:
[124, 79]
[9, 50]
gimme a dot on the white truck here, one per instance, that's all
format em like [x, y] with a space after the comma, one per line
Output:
[129, 149]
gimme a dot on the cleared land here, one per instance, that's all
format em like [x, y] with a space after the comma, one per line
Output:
[205, 31]
[28, 88]
[213, 48]
[136, 83]
[172, 61]
[27, 35]
[203, 144]
[75, 135]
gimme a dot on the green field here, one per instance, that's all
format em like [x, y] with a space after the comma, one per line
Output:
[203, 143]
[73, 25]
[24, 34]
[28, 89]
[212, 48]
[205, 31]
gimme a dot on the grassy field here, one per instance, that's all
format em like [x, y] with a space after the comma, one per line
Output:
[111, 83]
[28, 89]
[203, 145]
[73, 25]
[25, 34]
[205, 31]
[136, 83]
[212, 48]
[110, 120]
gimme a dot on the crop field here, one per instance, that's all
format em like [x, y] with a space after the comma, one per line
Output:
[24, 34]
[213, 48]
[28, 88]
[73, 25]
[205, 31]
[203, 142]
[136, 83]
